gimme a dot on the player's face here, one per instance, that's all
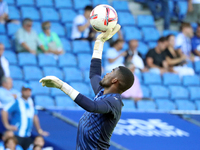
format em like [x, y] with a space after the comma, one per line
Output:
[107, 81]
[133, 44]
[1, 49]
[39, 141]
[171, 41]
[198, 32]
[26, 93]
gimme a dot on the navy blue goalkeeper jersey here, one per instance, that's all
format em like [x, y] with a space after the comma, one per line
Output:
[96, 127]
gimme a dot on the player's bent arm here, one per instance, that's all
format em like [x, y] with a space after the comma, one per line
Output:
[5, 118]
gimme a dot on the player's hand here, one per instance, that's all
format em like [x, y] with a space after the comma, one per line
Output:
[43, 133]
[51, 81]
[11, 127]
[104, 36]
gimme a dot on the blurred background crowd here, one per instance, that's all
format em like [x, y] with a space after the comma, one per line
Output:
[159, 42]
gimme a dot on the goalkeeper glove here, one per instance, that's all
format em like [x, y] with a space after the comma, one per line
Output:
[52, 81]
[98, 46]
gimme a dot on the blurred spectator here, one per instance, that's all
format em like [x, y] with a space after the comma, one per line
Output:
[50, 40]
[4, 64]
[114, 56]
[27, 39]
[22, 117]
[3, 11]
[196, 44]
[7, 93]
[81, 28]
[6, 135]
[10, 143]
[193, 14]
[38, 141]
[36, 147]
[183, 41]
[176, 59]
[155, 58]
[135, 92]
[135, 57]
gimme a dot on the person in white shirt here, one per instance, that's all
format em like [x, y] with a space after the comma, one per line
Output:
[7, 93]
[133, 56]
[114, 56]
[3, 11]
[4, 64]
[81, 26]
[183, 40]
[193, 14]
[27, 39]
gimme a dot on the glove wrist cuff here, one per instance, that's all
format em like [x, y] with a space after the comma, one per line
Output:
[98, 49]
[67, 89]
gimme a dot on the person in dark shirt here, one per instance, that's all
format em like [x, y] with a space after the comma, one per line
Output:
[98, 122]
[196, 44]
[155, 58]
[175, 59]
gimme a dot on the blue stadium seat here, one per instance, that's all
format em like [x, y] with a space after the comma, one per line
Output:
[6, 42]
[27, 59]
[194, 26]
[131, 33]
[15, 72]
[64, 102]
[11, 57]
[145, 20]
[38, 89]
[139, 76]
[25, 2]
[146, 105]
[145, 91]
[72, 74]
[191, 80]
[44, 101]
[152, 44]
[128, 105]
[126, 18]
[63, 4]
[86, 76]
[58, 28]
[194, 92]
[49, 14]
[44, 3]
[185, 105]
[79, 4]
[53, 71]
[67, 59]
[150, 34]
[46, 60]
[168, 32]
[12, 28]
[143, 49]
[57, 92]
[2, 29]
[183, 8]
[71, 14]
[84, 61]
[30, 12]
[152, 78]
[80, 46]
[37, 27]
[178, 92]
[197, 67]
[120, 5]
[98, 2]
[171, 79]
[81, 87]
[32, 73]
[190, 64]
[68, 27]
[197, 104]
[158, 91]
[165, 105]
[10, 2]
[13, 13]
[17, 84]
[66, 44]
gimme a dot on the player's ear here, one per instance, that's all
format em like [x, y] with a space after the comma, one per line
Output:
[115, 80]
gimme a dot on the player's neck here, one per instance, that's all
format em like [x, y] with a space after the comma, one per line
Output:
[109, 90]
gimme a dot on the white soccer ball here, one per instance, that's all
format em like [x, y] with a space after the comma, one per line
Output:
[103, 17]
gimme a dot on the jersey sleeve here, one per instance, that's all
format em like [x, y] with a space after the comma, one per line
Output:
[11, 107]
[178, 42]
[79, 20]
[110, 54]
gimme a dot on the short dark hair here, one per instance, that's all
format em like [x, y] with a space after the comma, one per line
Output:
[88, 7]
[116, 42]
[167, 37]
[126, 78]
[185, 25]
[26, 20]
[162, 39]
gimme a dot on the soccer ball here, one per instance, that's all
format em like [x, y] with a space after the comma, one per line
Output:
[103, 17]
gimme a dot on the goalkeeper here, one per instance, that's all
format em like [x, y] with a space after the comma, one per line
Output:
[98, 122]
